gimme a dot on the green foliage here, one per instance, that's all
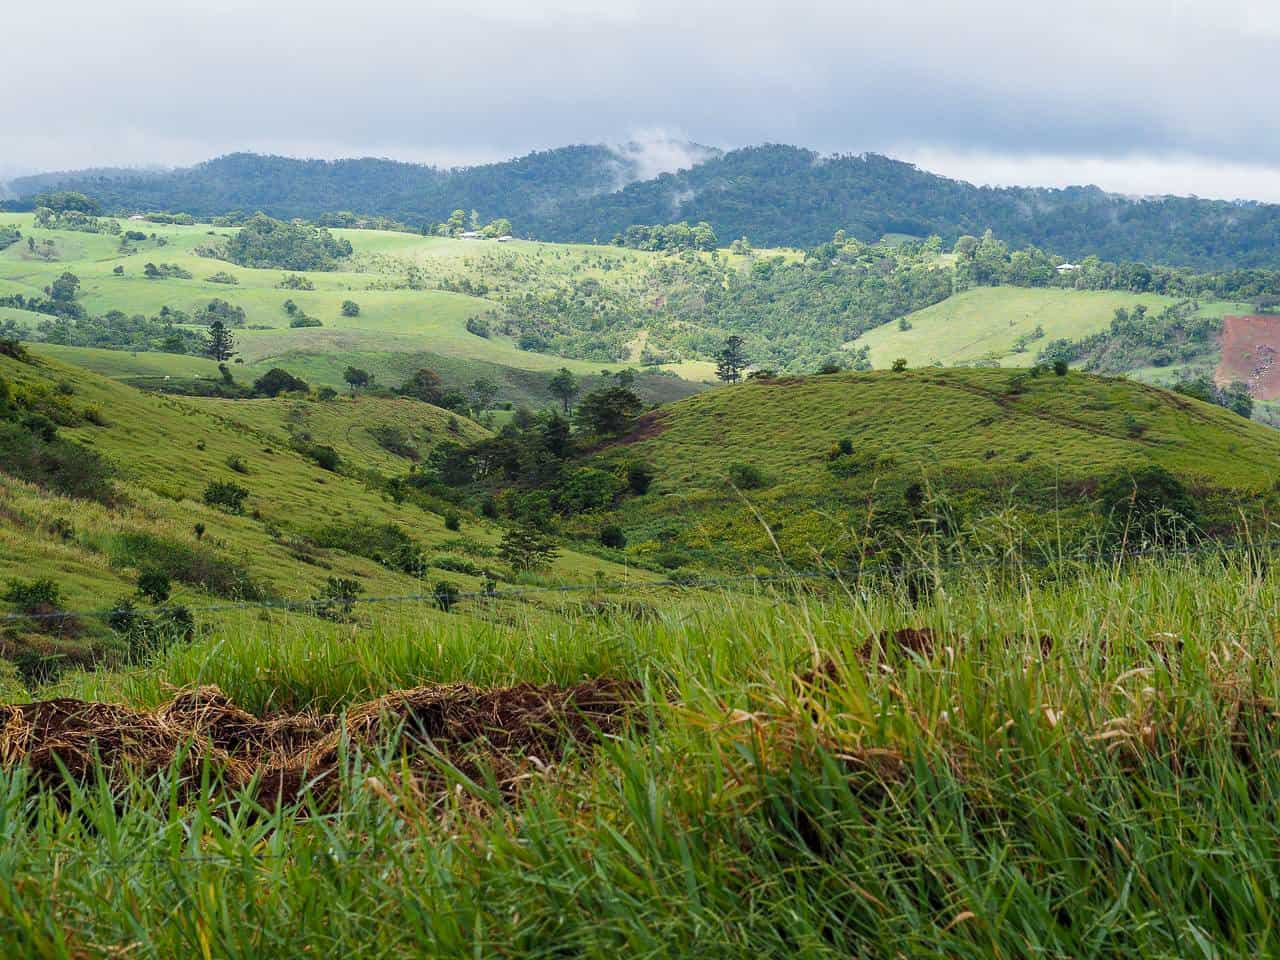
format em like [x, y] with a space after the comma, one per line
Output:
[587, 490]
[731, 360]
[265, 242]
[671, 237]
[639, 477]
[899, 365]
[154, 585]
[383, 543]
[32, 595]
[225, 495]
[1146, 505]
[746, 476]
[446, 595]
[294, 281]
[1235, 396]
[338, 599]
[165, 271]
[452, 521]
[220, 310]
[277, 381]
[1137, 338]
[350, 308]
[196, 565]
[356, 378]
[611, 536]
[424, 385]
[526, 548]
[220, 343]
[609, 411]
[55, 464]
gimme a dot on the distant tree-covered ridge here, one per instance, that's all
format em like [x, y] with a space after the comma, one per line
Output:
[774, 195]
[266, 242]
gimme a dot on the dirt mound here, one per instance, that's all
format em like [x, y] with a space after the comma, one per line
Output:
[1250, 348]
[501, 730]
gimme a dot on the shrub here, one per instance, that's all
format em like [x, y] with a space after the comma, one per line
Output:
[1060, 367]
[746, 476]
[302, 320]
[277, 381]
[1149, 504]
[195, 565]
[452, 522]
[236, 463]
[613, 537]
[226, 495]
[456, 565]
[350, 308]
[639, 477]
[337, 599]
[326, 394]
[295, 281]
[586, 490]
[446, 595]
[55, 464]
[899, 365]
[154, 585]
[324, 457]
[29, 595]
[93, 414]
[395, 439]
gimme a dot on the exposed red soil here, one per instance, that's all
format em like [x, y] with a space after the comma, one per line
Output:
[500, 730]
[1250, 349]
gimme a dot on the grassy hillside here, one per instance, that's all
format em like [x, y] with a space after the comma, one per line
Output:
[300, 525]
[989, 324]
[402, 315]
[987, 447]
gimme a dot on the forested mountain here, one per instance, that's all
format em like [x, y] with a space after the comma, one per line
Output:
[773, 195]
[522, 189]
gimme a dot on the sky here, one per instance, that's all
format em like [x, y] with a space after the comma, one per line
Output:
[1137, 96]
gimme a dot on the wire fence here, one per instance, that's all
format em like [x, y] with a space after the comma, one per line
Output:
[311, 605]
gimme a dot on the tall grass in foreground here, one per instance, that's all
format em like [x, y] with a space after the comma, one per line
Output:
[1076, 766]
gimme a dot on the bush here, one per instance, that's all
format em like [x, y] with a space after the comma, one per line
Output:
[226, 495]
[350, 308]
[276, 381]
[1060, 367]
[337, 599]
[587, 490]
[1147, 504]
[302, 320]
[455, 565]
[29, 595]
[639, 477]
[326, 394]
[452, 522]
[197, 566]
[746, 476]
[899, 365]
[612, 536]
[154, 585]
[55, 464]
[446, 594]
[236, 463]
[324, 457]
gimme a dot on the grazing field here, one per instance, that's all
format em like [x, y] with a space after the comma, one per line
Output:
[393, 277]
[987, 323]
[834, 774]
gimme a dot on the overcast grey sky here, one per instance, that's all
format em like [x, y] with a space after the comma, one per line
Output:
[1141, 96]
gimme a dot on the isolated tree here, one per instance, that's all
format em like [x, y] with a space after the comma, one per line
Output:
[65, 288]
[731, 360]
[609, 411]
[899, 365]
[526, 548]
[350, 308]
[356, 378]
[276, 381]
[220, 344]
[424, 385]
[564, 387]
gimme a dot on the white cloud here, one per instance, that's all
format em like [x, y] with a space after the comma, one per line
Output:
[1145, 85]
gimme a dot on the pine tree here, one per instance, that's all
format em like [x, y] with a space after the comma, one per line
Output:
[221, 345]
[731, 361]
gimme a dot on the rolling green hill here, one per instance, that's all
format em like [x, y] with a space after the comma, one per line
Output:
[993, 451]
[301, 523]
[992, 323]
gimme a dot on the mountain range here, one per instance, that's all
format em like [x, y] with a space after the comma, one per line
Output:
[774, 195]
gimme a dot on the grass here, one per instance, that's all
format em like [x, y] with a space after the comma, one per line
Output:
[168, 448]
[985, 324]
[992, 449]
[391, 321]
[1108, 793]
